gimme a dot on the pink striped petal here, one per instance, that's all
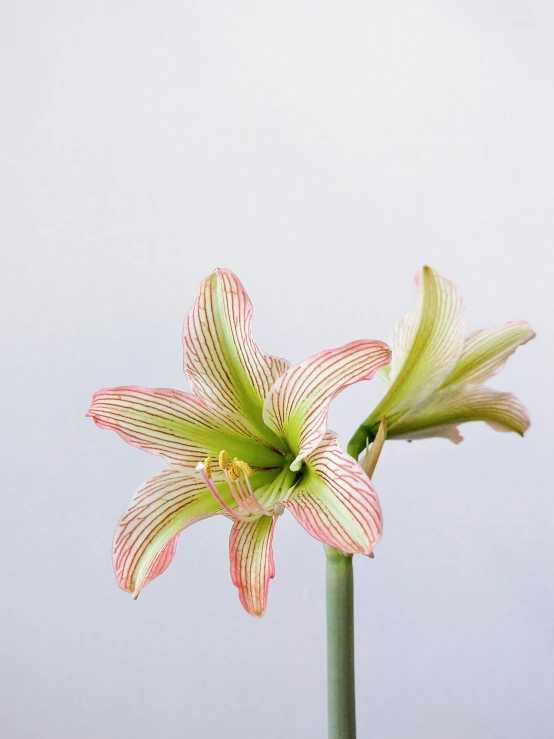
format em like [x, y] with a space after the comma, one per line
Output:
[426, 345]
[252, 565]
[146, 536]
[297, 405]
[221, 359]
[486, 352]
[180, 427]
[462, 404]
[335, 500]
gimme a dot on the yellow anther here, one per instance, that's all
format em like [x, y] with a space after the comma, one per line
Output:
[223, 460]
[208, 467]
[243, 466]
[234, 469]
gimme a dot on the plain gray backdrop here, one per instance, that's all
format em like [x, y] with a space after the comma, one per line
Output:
[323, 151]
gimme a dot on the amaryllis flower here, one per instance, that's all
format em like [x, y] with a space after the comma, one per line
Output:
[436, 374]
[248, 442]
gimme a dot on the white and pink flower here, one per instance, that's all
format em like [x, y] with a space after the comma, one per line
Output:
[248, 442]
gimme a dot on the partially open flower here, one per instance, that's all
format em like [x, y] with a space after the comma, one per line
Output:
[436, 376]
[250, 441]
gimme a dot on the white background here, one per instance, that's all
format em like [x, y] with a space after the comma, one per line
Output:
[323, 151]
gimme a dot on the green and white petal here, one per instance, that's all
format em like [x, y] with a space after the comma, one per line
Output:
[425, 345]
[485, 352]
[252, 565]
[462, 404]
[298, 404]
[221, 359]
[451, 433]
[335, 500]
[180, 427]
[146, 536]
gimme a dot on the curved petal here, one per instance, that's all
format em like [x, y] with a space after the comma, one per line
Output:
[180, 427]
[485, 352]
[462, 404]
[451, 433]
[426, 345]
[146, 536]
[221, 359]
[335, 500]
[297, 405]
[252, 565]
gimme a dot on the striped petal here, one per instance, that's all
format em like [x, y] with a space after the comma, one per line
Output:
[252, 565]
[485, 352]
[146, 536]
[426, 345]
[461, 404]
[298, 404]
[335, 500]
[180, 427]
[221, 359]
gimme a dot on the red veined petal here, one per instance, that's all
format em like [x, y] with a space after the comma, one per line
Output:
[180, 427]
[335, 500]
[298, 404]
[252, 565]
[221, 359]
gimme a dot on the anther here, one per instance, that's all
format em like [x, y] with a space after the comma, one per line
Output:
[243, 466]
[208, 467]
[223, 460]
[234, 469]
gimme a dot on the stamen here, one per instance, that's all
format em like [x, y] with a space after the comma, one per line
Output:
[233, 489]
[223, 460]
[243, 466]
[234, 469]
[215, 492]
[252, 499]
[236, 475]
[242, 492]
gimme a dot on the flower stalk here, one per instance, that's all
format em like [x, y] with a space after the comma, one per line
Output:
[341, 694]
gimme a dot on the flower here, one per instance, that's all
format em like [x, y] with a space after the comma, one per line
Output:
[436, 375]
[248, 442]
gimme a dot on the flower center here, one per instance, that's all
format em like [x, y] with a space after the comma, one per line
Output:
[237, 474]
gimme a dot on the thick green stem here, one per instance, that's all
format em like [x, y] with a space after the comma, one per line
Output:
[340, 645]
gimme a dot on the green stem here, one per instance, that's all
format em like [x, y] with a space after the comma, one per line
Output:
[340, 645]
